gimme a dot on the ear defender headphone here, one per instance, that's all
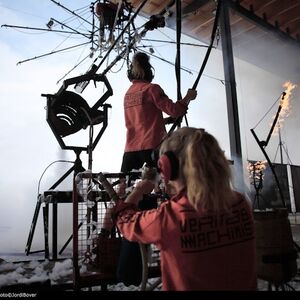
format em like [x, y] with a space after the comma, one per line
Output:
[168, 165]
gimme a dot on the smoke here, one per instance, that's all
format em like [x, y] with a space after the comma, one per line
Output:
[28, 146]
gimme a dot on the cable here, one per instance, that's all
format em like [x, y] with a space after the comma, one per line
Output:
[22, 12]
[213, 34]
[50, 53]
[56, 161]
[73, 68]
[188, 70]
[266, 112]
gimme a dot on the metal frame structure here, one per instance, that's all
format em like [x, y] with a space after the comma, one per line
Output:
[233, 122]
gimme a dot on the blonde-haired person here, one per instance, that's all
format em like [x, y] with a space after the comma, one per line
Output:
[205, 233]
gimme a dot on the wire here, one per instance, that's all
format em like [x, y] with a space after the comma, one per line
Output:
[164, 60]
[186, 69]
[70, 11]
[22, 12]
[267, 112]
[56, 161]
[73, 68]
[84, 10]
[287, 155]
[120, 68]
[173, 42]
[50, 53]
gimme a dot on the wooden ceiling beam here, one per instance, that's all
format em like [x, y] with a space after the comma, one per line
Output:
[193, 6]
[187, 10]
[260, 21]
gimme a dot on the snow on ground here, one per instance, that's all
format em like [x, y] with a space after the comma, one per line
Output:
[14, 271]
[61, 272]
[35, 271]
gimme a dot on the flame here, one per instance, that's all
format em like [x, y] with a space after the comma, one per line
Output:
[256, 169]
[285, 104]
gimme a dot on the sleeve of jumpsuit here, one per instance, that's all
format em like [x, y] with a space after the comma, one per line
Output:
[138, 226]
[164, 103]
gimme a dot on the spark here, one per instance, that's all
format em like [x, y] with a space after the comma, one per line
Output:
[256, 169]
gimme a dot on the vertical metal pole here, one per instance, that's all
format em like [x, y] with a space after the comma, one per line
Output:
[231, 95]
[46, 229]
[33, 225]
[54, 229]
[76, 273]
[280, 145]
[178, 54]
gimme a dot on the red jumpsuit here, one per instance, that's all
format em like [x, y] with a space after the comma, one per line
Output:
[144, 103]
[199, 250]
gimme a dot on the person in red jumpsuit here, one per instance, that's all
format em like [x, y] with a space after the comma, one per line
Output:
[205, 232]
[144, 105]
